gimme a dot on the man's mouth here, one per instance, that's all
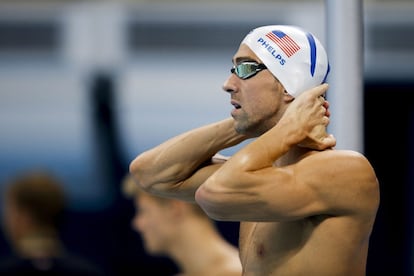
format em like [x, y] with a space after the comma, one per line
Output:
[235, 104]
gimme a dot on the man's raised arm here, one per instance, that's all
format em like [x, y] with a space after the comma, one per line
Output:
[178, 166]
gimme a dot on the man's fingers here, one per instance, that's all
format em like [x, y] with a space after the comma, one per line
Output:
[319, 90]
[330, 141]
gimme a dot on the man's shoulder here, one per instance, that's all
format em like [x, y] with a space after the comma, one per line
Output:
[348, 165]
[343, 153]
[335, 156]
[354, 176]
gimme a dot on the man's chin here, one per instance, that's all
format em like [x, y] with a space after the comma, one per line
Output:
[154, 250]
[238, 128]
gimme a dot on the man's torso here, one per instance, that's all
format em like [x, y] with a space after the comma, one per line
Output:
[319, 245]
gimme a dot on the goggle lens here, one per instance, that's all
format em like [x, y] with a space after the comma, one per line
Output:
[247, 70]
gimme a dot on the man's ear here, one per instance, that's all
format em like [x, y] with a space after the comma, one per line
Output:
[287, 97]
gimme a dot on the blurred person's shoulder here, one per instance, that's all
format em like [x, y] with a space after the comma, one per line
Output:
[64, 266]
[70, 264]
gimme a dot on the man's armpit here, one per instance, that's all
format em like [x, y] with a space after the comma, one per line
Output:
[219, 158]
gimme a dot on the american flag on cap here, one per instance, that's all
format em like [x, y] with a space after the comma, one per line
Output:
[285, 42]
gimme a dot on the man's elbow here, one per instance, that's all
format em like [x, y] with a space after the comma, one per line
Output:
[211, 203]
[134, 166]
[137, 171]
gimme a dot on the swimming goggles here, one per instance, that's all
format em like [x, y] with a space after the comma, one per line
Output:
[247, 69]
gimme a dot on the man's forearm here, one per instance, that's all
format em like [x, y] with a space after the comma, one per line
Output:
[178, 158]
[263, 152]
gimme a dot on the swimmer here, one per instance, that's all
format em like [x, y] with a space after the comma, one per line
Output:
[34, 205]
[304, 207]
[183, 232]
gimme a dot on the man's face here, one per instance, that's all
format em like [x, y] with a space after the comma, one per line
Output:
[256, 100]
[154, 222]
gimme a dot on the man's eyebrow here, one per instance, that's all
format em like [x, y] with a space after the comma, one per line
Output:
[241, 59]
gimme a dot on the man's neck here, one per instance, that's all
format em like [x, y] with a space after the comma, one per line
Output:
[39, 245]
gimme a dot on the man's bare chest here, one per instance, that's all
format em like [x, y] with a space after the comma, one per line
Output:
[267, 243]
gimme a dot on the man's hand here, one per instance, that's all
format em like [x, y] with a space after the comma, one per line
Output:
[310, 113]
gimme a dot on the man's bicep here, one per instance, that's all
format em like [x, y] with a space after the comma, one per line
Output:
[287, 197]
[271, 194]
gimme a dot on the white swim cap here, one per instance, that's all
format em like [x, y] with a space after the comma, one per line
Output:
[295, 57]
